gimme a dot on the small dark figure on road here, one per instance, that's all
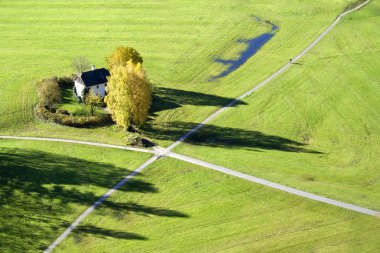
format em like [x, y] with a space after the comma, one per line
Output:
[291, 60]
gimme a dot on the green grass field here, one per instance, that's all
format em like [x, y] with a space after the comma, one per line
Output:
[179, 41]
[45, 186]
[199, 210]
[316, 127]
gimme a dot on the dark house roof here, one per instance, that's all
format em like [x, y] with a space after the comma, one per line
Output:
[94, 77]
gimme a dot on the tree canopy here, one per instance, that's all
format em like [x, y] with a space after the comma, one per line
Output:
[93, 101]
[122, 55]
[129, 94]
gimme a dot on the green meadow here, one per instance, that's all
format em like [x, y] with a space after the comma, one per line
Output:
[198, 210]
[179, 41]
[316, 127]
[46, 186]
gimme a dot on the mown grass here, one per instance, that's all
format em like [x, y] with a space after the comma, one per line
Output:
[69, 102]
[45, 186]
[179, 40]
[316, 127]
[199, 210]
[73, 106]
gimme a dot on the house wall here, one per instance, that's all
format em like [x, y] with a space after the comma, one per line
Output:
[99, 89]
[79, 88]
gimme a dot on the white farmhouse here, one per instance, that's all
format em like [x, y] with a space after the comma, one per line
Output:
[95, 80]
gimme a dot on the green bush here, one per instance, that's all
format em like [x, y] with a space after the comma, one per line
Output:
[131, 138]
[72, 121]
[48, 92]
[81, 112]
[135, 139]
[62, 111]
[65, 81]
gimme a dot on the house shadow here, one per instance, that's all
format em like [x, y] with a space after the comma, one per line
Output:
[232, 138]
[169, 98]
[253, 45]
[39, 190]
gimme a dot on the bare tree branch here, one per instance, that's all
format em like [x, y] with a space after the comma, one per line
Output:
[80, 64]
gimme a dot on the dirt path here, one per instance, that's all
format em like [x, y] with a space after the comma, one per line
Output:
[162, 152]
[275, 185]
[78, 142]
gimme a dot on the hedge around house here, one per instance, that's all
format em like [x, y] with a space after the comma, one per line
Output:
[72, 121]
[49, 113]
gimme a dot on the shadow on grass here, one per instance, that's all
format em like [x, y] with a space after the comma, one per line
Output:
[210, 135]
[253, 46]
[68, 96]
[103, 233]
[40, 193]
[215, 136]
[144, 210]
[167, 98]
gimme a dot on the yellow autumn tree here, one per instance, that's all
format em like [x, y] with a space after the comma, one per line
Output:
[122, 55]
[129, 95]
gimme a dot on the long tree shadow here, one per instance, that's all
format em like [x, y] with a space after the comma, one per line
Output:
[168, 98]
[40, 191]
[215, 136]
[103, 233]
[144, 210]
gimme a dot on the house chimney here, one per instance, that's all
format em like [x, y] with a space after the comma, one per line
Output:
[93, 67]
